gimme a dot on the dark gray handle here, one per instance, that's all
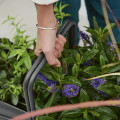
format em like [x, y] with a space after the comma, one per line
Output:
[68, 26]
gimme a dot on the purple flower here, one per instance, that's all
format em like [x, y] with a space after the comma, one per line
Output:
[70, 90]
[85, 37]
[96, 83]
[114, 55]
[112, 46]
[65, 68]
[47, 81]
[118, 82]
[52, 88]
[33, 62]
[118, 98]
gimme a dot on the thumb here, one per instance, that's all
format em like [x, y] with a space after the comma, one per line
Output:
[38, 52]
[51, 59]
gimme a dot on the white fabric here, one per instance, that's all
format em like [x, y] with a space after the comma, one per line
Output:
[44, 2]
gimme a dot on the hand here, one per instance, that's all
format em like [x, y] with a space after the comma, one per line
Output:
[46, 39]
[51, 46]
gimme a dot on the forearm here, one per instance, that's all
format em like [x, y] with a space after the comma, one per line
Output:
[46, 39]
[45, 16]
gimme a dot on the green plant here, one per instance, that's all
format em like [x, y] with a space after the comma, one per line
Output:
[86, 75]
[15, 59]
[81, 64]
[58, 9]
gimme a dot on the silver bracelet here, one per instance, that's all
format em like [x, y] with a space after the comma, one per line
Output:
[47, 28]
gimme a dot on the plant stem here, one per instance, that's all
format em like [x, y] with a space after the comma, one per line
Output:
[109, 28]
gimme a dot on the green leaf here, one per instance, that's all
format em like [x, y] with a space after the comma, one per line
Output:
[47, 118]
[94, 70]
[107, 52]
[14, 53]
[19, 63]
[75, 70]
[64, 6]
[14, 99]
[105, 113]
[106, 27]
[78, 59]
[55, 9]
[3, 74]
[94, 113]
[60, 71]
[56, 75]
[72, 80]
[94, 33]
[117, 88]
[1, 91]
[29, 45]
[83, 96]
[95, 46]
[51, 100]
[89, 55]
[96, 27]
[3, 54]
[102, 60]
[70, 113]
[27, 60]
[49, 75]
[69, 60]
[113, 69]
[108, 88]
[66, 15]
[3, 46]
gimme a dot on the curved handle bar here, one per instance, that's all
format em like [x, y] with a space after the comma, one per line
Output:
[67, 27]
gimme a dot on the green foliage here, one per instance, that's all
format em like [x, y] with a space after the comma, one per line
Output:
[83, 96]
[98, 34]
[15, 59]
[58, 9]
[82, 63]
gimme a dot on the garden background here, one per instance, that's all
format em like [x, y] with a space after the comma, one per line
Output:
[13, 8]
[68, 84]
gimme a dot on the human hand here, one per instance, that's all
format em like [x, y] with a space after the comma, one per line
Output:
[46, 39]
[50, 45]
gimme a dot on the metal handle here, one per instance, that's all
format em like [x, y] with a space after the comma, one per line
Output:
[68, 26]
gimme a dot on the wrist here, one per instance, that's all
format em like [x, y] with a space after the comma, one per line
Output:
[45, 16]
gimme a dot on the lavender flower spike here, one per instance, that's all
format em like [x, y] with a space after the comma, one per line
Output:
[65, 68]
[70, 90]
[85, 37]
[96, 83]
[112, 46]
[47, 81]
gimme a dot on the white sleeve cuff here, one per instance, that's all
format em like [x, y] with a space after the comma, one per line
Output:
[44, 2]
